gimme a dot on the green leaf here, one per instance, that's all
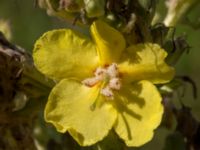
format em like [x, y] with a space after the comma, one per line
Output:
[111, 142]
[174, 141]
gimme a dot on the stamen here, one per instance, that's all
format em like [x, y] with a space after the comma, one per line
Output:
[115, 84]
[112, 70]
[107, 92]
[109, 76]
[90, 81]
[100, 73]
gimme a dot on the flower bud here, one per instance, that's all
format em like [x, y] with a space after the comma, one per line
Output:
[176, 49]
[177, 9]
[59, 8]
[94, 8]
[42, 3]
[71, 5]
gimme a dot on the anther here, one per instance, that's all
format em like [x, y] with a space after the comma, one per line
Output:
[100, 73]
[107, 92]
[90, 81]
[112, 70]
[115, 84]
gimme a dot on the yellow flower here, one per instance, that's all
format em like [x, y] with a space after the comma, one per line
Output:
[102, 84]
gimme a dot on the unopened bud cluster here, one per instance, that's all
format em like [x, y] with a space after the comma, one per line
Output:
[71, 8]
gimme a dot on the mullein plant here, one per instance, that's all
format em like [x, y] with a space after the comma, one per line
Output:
[111, 83]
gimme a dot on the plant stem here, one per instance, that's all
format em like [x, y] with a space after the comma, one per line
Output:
[177, 9]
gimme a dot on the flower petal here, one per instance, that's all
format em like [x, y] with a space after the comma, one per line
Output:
[140, 112]
[65, 53]
[110, 42]
[146, 62]
[69, 109]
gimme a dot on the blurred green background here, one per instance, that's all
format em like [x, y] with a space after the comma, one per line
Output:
[28, 23]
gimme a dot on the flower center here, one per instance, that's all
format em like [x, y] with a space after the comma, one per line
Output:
[109, 76]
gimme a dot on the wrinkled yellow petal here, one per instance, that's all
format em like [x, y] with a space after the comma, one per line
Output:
[140, 112]
[69, 108]
[145, 62]
[110, 42]
[65, 53]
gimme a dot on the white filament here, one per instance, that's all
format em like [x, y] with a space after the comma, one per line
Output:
[107, 91]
